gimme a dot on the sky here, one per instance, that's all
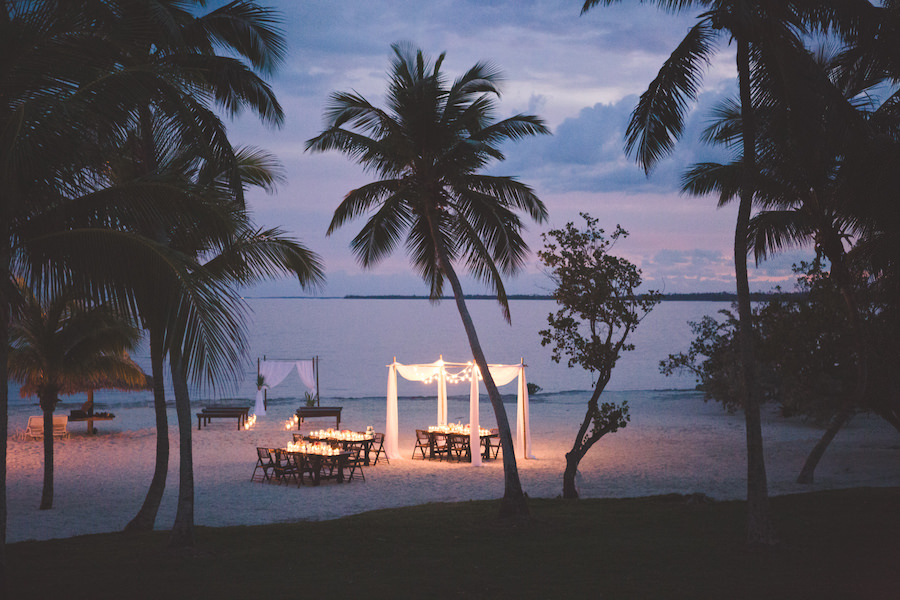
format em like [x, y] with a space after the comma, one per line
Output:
[582, 74]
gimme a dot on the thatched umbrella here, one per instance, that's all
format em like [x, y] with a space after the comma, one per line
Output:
[120, 373]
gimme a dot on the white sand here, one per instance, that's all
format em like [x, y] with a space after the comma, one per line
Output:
[674, 443]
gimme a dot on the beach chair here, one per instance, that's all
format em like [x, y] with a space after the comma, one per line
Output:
[35, 428]
[60, 424]
[377, 448]
[265, 462]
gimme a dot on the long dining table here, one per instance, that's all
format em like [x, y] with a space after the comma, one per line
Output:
[454, 442]
[321, 461]
[346, 439]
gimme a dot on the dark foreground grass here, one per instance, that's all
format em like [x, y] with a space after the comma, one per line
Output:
[838, 544]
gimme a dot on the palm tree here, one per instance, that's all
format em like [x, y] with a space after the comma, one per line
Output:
[171, 128]
[48, 52]
[429, 146]
[817, 184]
[764, 32]
[65, 345]
[247, 256]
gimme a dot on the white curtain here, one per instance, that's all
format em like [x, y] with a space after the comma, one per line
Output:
[474, 425]
[501, 374]
[306, 370]
[275, 371]
[392, 426]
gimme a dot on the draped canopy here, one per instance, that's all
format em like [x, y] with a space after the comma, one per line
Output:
[275, 371]
[444, 373]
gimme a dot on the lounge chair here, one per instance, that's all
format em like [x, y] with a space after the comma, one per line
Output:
[35, 429]
[60, 424]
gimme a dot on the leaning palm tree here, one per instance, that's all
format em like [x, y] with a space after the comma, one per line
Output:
[197, 61]
[764, 32]
[247, 256]
[65, 344]
[428, 146]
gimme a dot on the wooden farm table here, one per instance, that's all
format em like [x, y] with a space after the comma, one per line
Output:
[364, 444]
[223, 412]
[90, 421]
[457, 440]
[308, 412]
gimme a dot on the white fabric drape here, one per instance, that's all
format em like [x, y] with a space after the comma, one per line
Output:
[259, 407]
[392, 426]
[275, 371]
[501, 374]
[474, 425]
[307, 372]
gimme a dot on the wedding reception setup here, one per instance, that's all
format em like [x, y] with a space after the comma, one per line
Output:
[444, 373]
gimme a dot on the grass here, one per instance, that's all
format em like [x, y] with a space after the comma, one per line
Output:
[837, 544]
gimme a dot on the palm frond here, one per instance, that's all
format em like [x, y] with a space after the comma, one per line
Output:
[658, 119]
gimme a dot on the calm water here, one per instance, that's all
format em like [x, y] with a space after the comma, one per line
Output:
[356, 339]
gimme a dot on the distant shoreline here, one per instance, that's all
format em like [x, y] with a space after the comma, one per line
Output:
[697, 297]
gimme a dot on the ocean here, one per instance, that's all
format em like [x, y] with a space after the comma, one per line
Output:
[356, 338]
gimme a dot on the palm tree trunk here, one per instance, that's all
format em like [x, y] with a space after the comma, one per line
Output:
[4, 381]
[47, 491]
[513, 503]
[146, 517]
[182, 535]
[760, 529]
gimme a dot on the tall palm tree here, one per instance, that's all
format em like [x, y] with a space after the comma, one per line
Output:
[764, 31]
[48, 134]
[216, 58]
[247, 256]
[818, 188]
[428, 147]
[63, 345]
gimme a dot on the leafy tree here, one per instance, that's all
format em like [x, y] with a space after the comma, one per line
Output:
[428, 146]
[600, 307]
[806, 350]
[766, 33]
[64, 345]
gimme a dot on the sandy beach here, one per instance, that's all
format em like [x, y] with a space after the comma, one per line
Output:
[675, 443]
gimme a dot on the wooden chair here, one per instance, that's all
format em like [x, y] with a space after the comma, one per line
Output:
[458, 446]
[301, 467]
[265, 462]
[491, 444]
[356, 460]
[377, 448]
[423, 443]
[440, 446]
[284, 468]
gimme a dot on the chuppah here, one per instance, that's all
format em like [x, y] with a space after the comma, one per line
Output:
[272, 372]
[447, 372]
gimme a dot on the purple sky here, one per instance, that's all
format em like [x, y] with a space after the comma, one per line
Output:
[581, 74]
